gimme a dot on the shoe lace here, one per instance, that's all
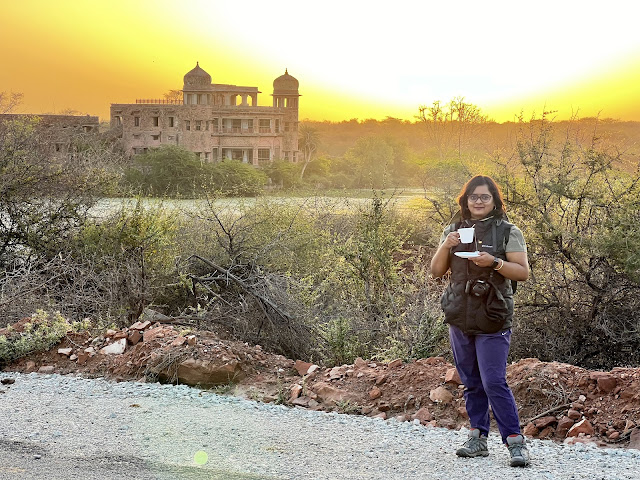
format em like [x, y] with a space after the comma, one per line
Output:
[516, 449]
[473, 444]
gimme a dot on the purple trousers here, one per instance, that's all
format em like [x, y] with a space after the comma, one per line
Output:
[481, 361]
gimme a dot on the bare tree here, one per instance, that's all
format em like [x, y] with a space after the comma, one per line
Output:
[457, 121]
[309, 142]
[438, 121]
[174, 96]
[9, 101]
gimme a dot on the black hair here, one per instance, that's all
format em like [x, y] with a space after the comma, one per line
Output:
[468, 189]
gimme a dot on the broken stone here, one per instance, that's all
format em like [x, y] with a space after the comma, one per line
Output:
[544, 422]
[423, 416]
[152, 333]
[574, 414]
[119, 335]
[629, 392]
[452, 376]
[206, 373]
[564, 424]
[530, 430]
[294, 392]
[46, 369]
[329, 394]
[434, 360]
[116, 348]
[581, 427]
[178, 341]
[395, 363]
[302, 367]
[82, 358]
[440, 395]
[607, 383]
[65, 351]
[380, 379]
[301, 402]
[140, 325]
[191, 340]
[374, 393]
[546, 433]
[134, 337]
[360, 363]
[613, 435]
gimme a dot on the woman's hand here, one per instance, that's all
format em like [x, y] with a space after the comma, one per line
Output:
[440, 260]
[484, 260]
[515, 267]
[452, 240]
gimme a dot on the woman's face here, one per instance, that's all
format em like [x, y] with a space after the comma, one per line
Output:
[480, 202]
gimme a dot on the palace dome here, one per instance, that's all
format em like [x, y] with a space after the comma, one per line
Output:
[197, 78]
[285, 85]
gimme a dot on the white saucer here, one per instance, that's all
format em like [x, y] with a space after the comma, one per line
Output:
[467, 254]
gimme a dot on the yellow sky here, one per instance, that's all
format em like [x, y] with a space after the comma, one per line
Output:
[353, 59]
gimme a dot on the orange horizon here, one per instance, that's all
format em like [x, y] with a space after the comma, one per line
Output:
[85, 59]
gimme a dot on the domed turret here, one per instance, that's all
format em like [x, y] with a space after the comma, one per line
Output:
[285, 85]
[197, 78]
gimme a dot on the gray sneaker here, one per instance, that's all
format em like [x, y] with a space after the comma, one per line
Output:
[475, 446]
[518, 450]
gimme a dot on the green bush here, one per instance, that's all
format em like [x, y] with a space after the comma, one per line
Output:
[283, 174]
[130, 259]
[343, 342]
[235, 178]
[168, 170]
[568, 194]
[43, 332]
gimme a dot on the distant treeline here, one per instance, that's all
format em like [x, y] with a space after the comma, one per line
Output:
[336, 138]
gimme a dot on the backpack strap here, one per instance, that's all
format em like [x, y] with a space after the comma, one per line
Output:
[507, 234]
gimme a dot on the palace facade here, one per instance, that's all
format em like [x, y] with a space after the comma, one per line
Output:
[216, 121]
[57, 133]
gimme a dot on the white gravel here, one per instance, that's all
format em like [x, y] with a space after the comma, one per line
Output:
[61, 427]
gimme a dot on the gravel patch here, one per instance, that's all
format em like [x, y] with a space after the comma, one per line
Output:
[61, 427]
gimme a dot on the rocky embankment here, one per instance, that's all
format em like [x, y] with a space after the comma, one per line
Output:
[557, 401]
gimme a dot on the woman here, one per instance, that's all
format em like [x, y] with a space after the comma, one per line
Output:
[478, 306]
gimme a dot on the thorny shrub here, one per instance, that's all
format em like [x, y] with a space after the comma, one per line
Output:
[43, 331]
[574, 203]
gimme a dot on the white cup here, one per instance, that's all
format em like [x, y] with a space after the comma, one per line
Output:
[466, 234]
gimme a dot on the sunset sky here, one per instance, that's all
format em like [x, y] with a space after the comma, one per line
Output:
[353, 59]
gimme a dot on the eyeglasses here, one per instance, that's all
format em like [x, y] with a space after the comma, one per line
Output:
[484, 198]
